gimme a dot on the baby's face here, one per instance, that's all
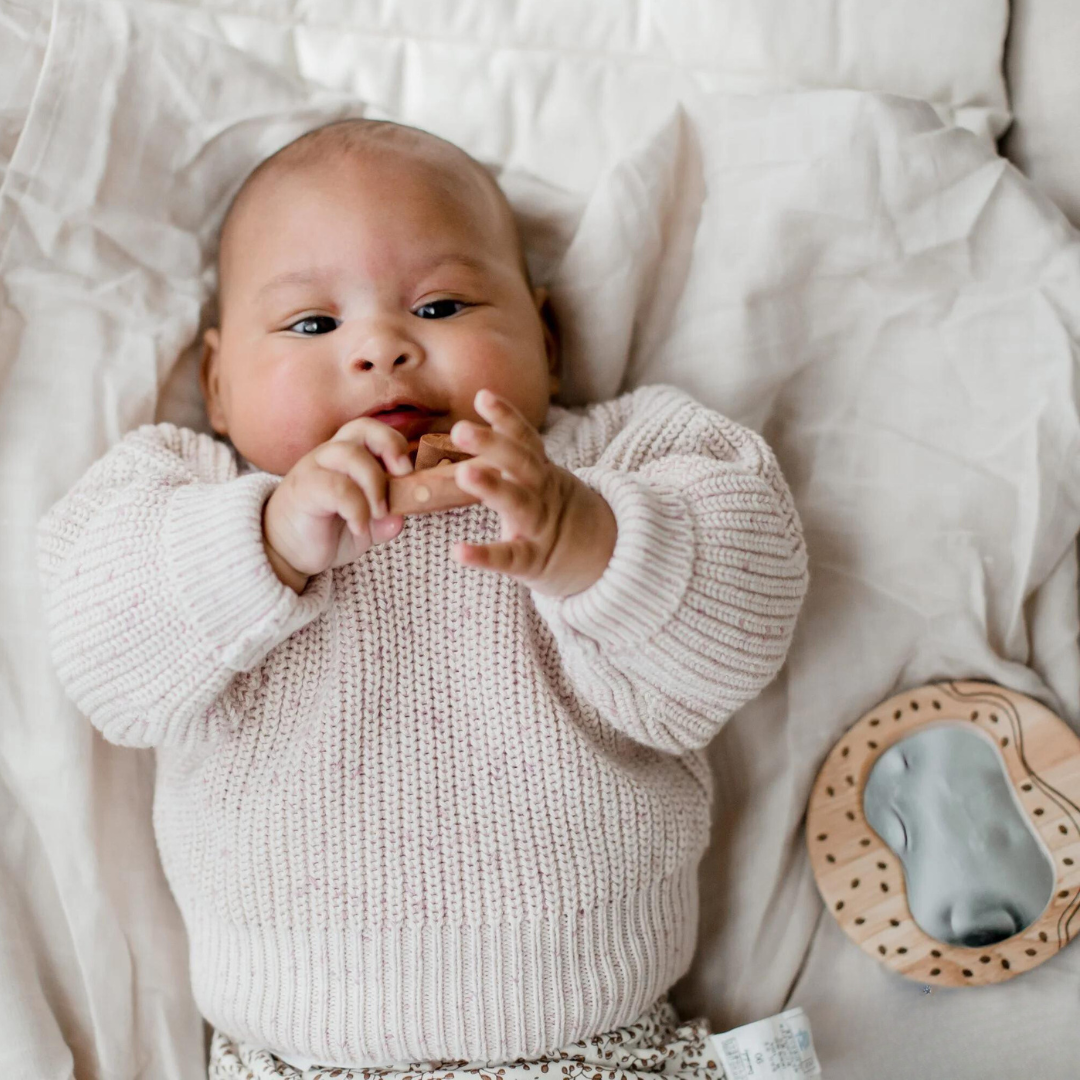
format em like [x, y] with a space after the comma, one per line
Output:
[360, 282]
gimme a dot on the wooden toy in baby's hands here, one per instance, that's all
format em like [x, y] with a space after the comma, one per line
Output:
[430, 486]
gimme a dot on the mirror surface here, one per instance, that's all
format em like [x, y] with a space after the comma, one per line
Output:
[975, 870]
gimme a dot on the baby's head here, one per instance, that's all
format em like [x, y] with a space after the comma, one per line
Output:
[365, 263]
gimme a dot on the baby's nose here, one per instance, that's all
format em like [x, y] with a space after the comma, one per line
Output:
[384, 349]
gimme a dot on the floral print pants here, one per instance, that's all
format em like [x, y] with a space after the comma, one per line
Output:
[656, 1045]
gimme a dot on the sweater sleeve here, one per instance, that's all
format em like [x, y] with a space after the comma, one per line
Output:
[695, 611]
[157, 591]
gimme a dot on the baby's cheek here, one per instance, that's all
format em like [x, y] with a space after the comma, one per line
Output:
[487, 357]
[509, 368]
[278, 430]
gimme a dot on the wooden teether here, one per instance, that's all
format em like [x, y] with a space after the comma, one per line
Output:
[431, 486]
[436, 448]
[861, 879]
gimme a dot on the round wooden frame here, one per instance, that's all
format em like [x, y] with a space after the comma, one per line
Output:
[861, 880]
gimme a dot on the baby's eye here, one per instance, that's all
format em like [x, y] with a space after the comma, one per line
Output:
[439, 309]
[309, 320]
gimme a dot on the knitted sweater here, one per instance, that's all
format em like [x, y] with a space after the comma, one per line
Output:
[420, 813]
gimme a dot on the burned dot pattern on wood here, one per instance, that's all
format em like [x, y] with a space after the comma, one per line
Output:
[861, 879]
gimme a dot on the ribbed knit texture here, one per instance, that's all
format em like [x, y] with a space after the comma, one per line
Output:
[420, 813]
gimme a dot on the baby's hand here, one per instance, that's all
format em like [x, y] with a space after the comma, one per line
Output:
[331, 506]
[557, 533]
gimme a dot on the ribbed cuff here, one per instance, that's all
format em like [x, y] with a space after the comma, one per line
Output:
[213, 542]
[649, 570]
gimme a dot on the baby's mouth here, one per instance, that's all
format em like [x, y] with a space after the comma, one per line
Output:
[411, 421]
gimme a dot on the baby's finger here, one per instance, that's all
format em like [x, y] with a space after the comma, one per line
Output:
[520, 508]
[357, 463]
[517, 460]
[505, 418]
[337, 493]
[515, 557]
[381, 439]
[354, 507]
[386, 528]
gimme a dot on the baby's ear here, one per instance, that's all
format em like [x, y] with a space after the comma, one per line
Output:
[551, 335]
[208, 379]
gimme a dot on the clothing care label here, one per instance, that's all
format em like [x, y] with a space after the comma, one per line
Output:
[777, 1048]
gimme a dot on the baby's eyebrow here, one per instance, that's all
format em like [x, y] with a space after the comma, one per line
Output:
[310, 276]
[470, 262]
[315, 274]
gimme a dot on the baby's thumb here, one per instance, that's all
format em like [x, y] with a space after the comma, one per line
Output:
[386, 528]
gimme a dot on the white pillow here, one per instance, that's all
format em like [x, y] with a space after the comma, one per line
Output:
[432, 64]
[429, 61]
[1043, 64]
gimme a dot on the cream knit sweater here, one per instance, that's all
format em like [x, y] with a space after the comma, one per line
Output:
[420, 813]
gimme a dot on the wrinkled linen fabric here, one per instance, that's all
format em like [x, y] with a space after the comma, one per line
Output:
[891, 305]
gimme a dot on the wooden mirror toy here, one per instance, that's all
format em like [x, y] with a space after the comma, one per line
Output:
[944, 833]
[430, 486]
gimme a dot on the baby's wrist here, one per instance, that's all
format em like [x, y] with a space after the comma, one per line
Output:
[585, 545]
[287, 575]
[601, 535]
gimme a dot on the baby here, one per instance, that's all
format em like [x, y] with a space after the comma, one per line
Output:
[429, 789]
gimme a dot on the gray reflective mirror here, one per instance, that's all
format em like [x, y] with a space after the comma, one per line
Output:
[975, 870]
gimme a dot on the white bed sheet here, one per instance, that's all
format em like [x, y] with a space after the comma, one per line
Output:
[894, 307]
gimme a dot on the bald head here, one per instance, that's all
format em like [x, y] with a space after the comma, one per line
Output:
[335, 146]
